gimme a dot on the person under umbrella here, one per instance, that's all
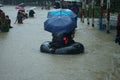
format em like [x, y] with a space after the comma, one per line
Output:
[31, 13]
[62, 29]
[19, 18]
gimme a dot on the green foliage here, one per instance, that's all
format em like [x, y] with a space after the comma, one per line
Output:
[115, 6]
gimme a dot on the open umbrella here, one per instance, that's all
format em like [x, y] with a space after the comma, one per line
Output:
[59, 24]
[31, 8]
[19, 8]
[57, 12]
[21, 4]
[65, 12]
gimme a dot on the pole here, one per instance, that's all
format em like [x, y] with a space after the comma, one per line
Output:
[87, 11]
[83, 10]
[101, 15]
[117, 40]
[108, 16]
[92, 13]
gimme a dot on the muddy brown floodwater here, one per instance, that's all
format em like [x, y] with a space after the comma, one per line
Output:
[21, 59]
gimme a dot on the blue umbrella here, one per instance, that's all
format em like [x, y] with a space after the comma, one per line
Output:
[65, 12]
[59, 24]
[58, 12]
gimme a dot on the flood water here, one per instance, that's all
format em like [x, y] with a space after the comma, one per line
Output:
[21, 59]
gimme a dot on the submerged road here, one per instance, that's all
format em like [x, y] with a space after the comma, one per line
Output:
[21, 59]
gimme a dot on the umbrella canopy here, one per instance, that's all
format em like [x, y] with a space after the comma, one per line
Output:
[58, 12]
[63, 12]
[19, 8]
[59, 24]
[31, 8]
[21, 4]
